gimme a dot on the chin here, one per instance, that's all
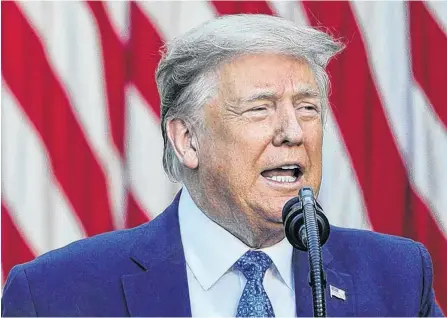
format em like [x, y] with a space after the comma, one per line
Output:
[269, 208]
[275, 217]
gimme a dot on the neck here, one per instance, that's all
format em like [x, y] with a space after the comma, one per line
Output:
[247, 230]
[255, 237]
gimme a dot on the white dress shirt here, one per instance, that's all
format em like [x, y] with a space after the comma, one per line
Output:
[210, 252]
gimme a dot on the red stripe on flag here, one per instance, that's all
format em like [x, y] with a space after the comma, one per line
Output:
[236, 7]
[143, 55]
[135, 214]
[429, 57]
[14, 248]
[115, 64]
[27, 72]
[145, 44]
[392, 204]
[114, 58]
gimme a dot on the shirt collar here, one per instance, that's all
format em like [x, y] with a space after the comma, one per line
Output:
[281, 255]
[210, 250]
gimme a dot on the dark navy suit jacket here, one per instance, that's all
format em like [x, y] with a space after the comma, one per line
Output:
[142, 272]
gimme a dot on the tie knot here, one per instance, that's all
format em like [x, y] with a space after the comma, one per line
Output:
[254, 264]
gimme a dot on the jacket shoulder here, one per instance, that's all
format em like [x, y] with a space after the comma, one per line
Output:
[105, 248]
[370, 241]
[400, 268]
[380, 256]
[85, 278]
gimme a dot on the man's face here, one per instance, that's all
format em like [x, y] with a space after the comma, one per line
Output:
[262, 139]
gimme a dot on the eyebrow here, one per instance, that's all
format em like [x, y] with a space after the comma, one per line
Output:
[301, 92]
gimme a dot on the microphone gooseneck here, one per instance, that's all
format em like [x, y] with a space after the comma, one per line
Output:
[307, 229]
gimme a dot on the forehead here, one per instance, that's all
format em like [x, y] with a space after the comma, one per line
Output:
[279, 73]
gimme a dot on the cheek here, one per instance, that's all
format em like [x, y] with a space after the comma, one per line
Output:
[251, 145]
[244, 141]
[314, 144]
[233, 148]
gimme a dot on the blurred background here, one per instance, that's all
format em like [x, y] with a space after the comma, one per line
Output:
[81, 145]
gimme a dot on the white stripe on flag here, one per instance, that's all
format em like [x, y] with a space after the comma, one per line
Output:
[290, 10]
[118, 13]
[37, 206]
[341, 196]
[174, 18]
[144, 149]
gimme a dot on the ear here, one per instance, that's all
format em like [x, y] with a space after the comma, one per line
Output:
[183, 142]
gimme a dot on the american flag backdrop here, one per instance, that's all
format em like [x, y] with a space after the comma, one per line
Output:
[81, 142]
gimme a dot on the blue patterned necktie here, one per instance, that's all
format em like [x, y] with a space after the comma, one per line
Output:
[254, 301]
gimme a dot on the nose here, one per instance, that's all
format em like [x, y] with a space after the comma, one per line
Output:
[287, 129]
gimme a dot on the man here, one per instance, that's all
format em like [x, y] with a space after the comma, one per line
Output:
[243, 101]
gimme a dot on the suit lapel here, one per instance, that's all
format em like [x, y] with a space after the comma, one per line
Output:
[335, 307]
[161, 288]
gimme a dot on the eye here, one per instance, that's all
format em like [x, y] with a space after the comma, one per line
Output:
[308, 108]
[308, 111]
[258, 109]
[257, 113]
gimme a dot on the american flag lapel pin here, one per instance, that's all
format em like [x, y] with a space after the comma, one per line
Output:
[337, 292]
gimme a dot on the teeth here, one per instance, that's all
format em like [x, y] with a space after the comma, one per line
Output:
[287, 179]
[289, 167]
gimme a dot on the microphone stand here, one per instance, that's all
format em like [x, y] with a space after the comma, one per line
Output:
[304, 224]
[317, 276]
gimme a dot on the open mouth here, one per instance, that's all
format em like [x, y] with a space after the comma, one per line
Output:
[283, 174]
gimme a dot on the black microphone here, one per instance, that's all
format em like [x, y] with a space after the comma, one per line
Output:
[294, 221]
[307, 228]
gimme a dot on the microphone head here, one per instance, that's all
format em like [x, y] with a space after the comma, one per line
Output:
[287, 207]
[293, 219]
